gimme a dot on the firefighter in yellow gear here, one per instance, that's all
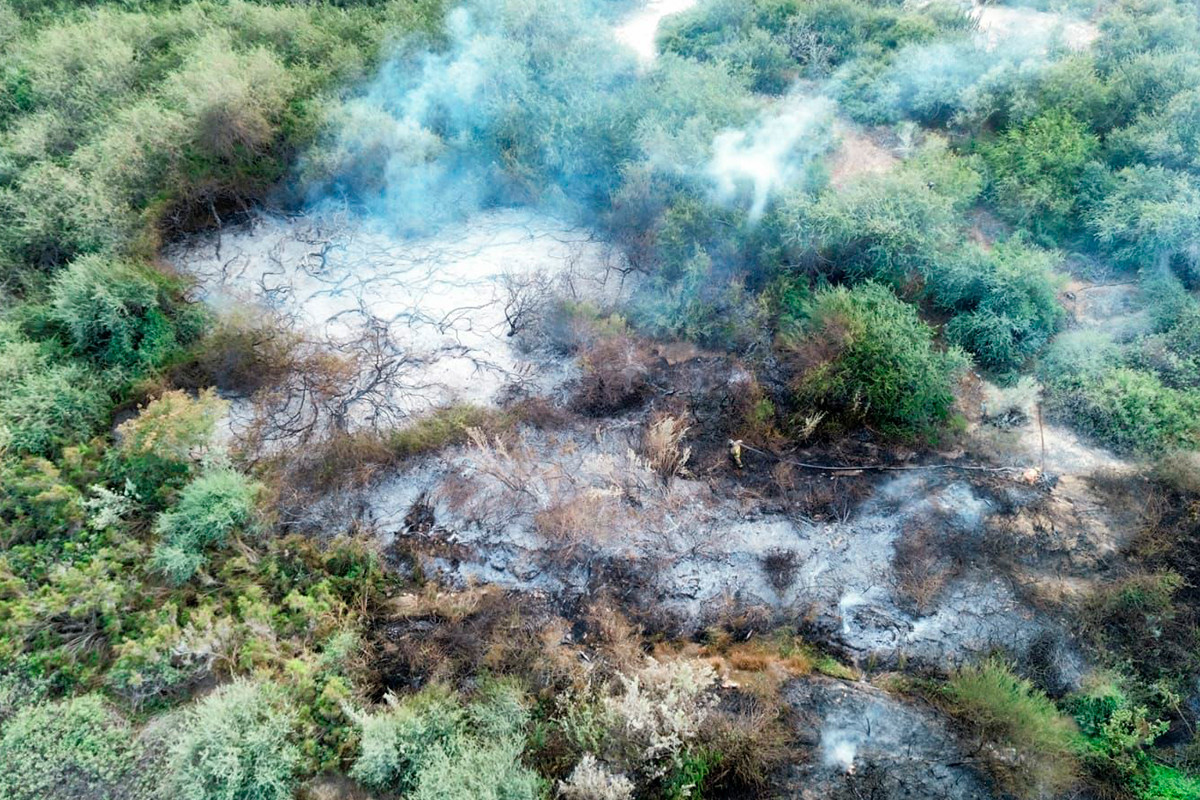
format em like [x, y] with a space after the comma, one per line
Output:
[735, 452]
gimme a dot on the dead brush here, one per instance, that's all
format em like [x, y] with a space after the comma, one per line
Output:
[780, 566]
[663, 447]
[616, 640]
[922, 571]
[437, 635]
[616, 376]
[576, 524]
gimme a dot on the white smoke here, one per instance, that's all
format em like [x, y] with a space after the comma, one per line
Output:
[639, 30]
[773, 152]
[839, 748]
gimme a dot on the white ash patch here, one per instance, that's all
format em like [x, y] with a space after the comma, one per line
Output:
[876, 746]
[449, 307]
[693, 550]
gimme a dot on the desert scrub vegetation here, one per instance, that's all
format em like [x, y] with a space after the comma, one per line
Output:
[863, 355]
[70, 748]
[235, 743]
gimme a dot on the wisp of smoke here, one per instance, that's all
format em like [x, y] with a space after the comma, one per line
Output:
[839, 748]
[484, 119]
[937, 81]
[773, 152]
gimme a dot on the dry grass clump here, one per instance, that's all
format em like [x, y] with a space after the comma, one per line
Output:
[575, 525]
[921, 565]
[615, 375]
[781, 566]
[663, 447]
[1180, 472]
[447, 426]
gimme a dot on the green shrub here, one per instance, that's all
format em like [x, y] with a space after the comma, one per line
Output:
[159, 449]
[1135, 411]
[36, 503]
[1116, 733]
[441, 428]
[210, 508]
[1006, 301]
[1036, 171]
[66, 750]
[430, 746]
[113, 313]
[887, 228]
[479, 769]
[1007, 710]
[1150, 216]
[865, 355]
[1170, 137]
[235, 745]
[399, 744]
[47, 410]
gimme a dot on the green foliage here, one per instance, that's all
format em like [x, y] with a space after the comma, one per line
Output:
[141, 114]
[887, 228]
[1169, 136]
[770, 40]
[1005, 301]
[864, 354]
[1150, 217]
[1116, 733]
[158, 450]
[47, 410]
[429, 746]
[64, 750]
[235, 744]
[1008, 710]
[1128, 409]
[441, 428]
[36, 503]
[210, 508]
[1036, 171]
[399, 744]
[114, 313]
[479, 769]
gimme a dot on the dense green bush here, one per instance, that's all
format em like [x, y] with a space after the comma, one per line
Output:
[116, 313]
[1150, 217]
[1131, 410]
[67, 750]
[47, 410]
[399, 744]
[36, 503]
[235, 744]
[1116, 733]
[430, 746]
[210, 508]
[889, 228]
[865, 355]
[1005, 301]
[123, 120]
[1036, 171]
